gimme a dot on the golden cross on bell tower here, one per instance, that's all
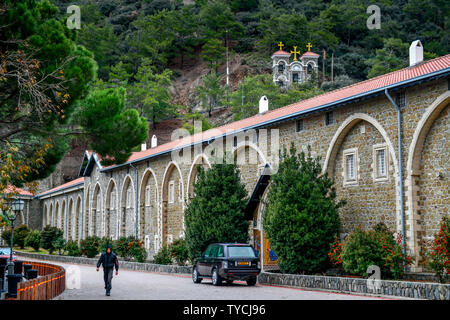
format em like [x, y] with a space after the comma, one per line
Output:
[281, 45]
[295, 52]
[309, 46]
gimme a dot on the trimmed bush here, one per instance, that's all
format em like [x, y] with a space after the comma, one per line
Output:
[73, 249]
[90, 246]
[302, 218]
[137, 250]
[438, 256]
[375, 247]
[122, 247]
[163, 256]
[33, 240]
[20, 233]
[179, 251]
[60, 245]
[48, 236]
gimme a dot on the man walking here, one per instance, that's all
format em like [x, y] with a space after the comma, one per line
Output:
[109, 261]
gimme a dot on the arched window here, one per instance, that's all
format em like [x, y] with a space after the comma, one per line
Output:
[309, 68]
[281, 67]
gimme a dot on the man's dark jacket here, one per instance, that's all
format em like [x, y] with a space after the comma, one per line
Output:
[109, 260]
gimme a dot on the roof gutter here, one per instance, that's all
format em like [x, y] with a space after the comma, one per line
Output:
[400, 167]
[405, 83]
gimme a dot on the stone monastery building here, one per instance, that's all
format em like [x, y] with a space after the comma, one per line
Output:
[402, 181]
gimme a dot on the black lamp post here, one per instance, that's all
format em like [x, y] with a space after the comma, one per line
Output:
[16, 206]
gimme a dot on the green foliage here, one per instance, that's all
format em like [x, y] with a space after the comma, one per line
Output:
[103, 111]
[216, 213]
[179, 251]
[104, 242]
[438, 256]
[72, 248]
[6, 236]
[191, 118]
[48, 236]
[211, 92]
[302, 218]
[374, 247]
[391, 57]
[245, 100]
[20, 234]
[90, 246]
[131, 248]
[213, 53]
[33, 240]
[59, 244]
[163, 256]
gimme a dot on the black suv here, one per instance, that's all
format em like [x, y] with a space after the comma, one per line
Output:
[227, 261]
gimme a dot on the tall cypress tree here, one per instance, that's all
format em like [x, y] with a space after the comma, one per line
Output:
[216, 213]
[302, 216]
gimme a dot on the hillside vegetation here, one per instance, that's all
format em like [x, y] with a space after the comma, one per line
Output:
[159, 50]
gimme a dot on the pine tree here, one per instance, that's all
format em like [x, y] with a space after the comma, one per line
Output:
[302, 217]
[216, 213]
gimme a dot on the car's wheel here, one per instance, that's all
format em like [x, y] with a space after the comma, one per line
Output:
[229, 282]
[216, 279]
[251, 281]
[195, 276]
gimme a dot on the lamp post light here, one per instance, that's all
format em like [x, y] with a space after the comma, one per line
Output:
[16, 206]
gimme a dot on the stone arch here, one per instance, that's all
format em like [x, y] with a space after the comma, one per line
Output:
[45, 216]
[50, 220]
[383, 191]
[57, 215]
[63, 213]
[148, 210]
[77, 221]
[171, 226]
[127, 215]
[111, 210]
[250, 163]
[198, 160]
[96, 211]
[416, 180]
[87, 211]
[69, 219]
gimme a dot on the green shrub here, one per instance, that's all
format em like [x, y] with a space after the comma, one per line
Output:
[60, 245]
[90, 246]
[33, 240]
[216, 213]
[6, 236]
[179, 251]
[137, 250]
[438, 256]
[375, 247]
[163, 256]
[72, 248]
[20, 233]
[122, 247]
[48, 236]
[302, 218]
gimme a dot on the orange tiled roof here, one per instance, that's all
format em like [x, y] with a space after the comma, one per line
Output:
[12, 189]
[332, 97]
[63, 186]
[309, 54]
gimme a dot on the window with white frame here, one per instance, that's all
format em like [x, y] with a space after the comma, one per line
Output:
[350, 163]
[380, 162]
[171, 192]
[147, 195]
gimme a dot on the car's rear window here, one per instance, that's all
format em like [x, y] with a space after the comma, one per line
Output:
[241, 251]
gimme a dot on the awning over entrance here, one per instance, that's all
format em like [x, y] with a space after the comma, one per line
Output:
[258, 191]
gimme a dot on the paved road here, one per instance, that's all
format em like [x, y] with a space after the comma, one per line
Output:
[139, 285]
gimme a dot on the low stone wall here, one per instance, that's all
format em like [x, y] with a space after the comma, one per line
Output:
[130, 265]
[406, 289]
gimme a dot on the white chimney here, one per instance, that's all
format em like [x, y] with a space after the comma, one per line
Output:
[263, 104]
[415, 53]
[143, 146]
[154, 141]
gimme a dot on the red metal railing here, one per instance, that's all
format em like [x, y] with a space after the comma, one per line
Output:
[50, 283]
